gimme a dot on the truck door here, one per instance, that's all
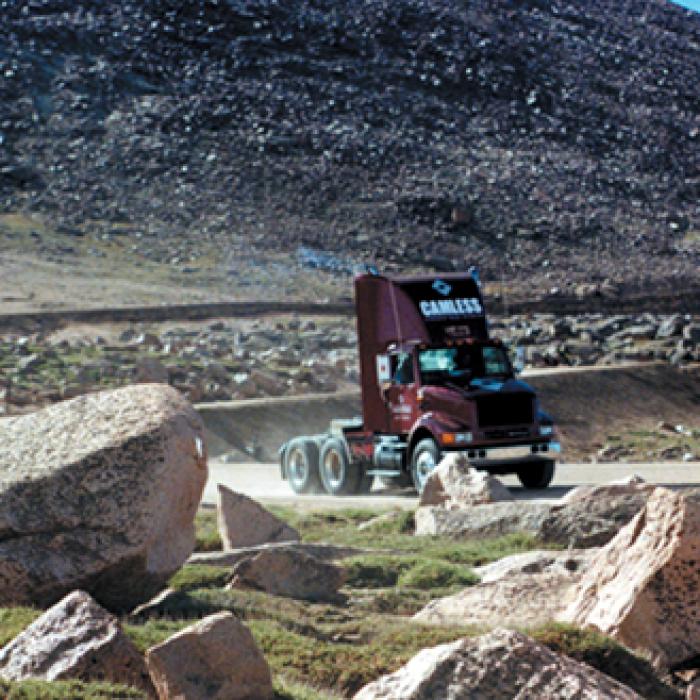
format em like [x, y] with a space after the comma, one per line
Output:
[401, 393]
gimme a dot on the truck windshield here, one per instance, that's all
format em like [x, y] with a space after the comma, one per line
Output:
[461, 363]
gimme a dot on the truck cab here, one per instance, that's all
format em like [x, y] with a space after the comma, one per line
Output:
[463, 395]
[433, 381]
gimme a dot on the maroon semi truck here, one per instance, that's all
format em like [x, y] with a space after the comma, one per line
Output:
[432, 381]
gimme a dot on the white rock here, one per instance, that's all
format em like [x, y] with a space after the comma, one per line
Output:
[455, 484]
[75, 638]
[517, 600]
[487, 519]
[501, 664]
[535, 562]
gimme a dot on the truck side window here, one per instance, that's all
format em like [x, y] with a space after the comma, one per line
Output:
[403, 368]
[495, 362]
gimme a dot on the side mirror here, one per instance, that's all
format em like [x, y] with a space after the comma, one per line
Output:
[383, 370]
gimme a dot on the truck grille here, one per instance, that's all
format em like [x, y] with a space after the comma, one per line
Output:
[503, 433]
[505, 409]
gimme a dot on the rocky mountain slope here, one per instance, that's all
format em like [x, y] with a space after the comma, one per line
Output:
[551, 142]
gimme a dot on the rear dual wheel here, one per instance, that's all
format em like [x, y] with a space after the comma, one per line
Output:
[339, 475]
[301, 466]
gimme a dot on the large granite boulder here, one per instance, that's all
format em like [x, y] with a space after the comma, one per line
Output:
[501, 664]
[517, 600]
[527, 589]
[76, 638]
[642, 588]
[99, 493]
[590, 516]
[245, 523]
[214, 659]
[455, 484]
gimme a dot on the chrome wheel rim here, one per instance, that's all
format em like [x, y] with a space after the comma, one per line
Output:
[333, 469]
[297, 467]
[425, 463]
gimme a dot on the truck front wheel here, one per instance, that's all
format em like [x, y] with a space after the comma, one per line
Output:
[339, 475]
[537, 475]
[425, 458]
[301, 466]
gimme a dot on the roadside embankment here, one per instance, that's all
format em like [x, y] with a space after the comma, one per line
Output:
[589, 405]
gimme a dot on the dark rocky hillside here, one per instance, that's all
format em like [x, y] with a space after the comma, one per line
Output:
[560, 138]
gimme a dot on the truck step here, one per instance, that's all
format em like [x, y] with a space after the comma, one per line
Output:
[384, 472]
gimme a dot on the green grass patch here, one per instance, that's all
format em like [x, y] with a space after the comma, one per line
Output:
[481, 551]
[341, 527]
[400, 522]
[154, 632]
[207, 537]
[353, 656]
[15, 620]
[192, 576]
[286, 689]
[60, 690]
[394, 601]
[431, 574]
[376, 570]
[407, 571]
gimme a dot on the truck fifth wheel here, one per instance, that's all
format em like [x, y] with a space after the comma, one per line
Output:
[432, 382]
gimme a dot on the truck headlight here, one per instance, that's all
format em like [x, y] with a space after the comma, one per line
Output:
[456, 438]
[546, 429]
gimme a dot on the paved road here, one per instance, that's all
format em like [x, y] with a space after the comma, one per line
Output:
[263, 483]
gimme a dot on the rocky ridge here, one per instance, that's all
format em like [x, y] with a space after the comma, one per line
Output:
[549, 141]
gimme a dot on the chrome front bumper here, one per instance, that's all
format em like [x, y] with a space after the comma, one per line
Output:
[512, 453]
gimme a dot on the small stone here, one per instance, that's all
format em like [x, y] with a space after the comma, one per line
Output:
[289, 573]
[245, 523]
[214, 659]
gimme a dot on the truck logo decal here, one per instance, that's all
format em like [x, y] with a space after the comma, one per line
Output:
[442, 287]
[445, 308]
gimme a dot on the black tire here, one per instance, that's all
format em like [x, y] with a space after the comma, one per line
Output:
[537, 475]
[425, 457]
[339, 475]
[301, 466]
